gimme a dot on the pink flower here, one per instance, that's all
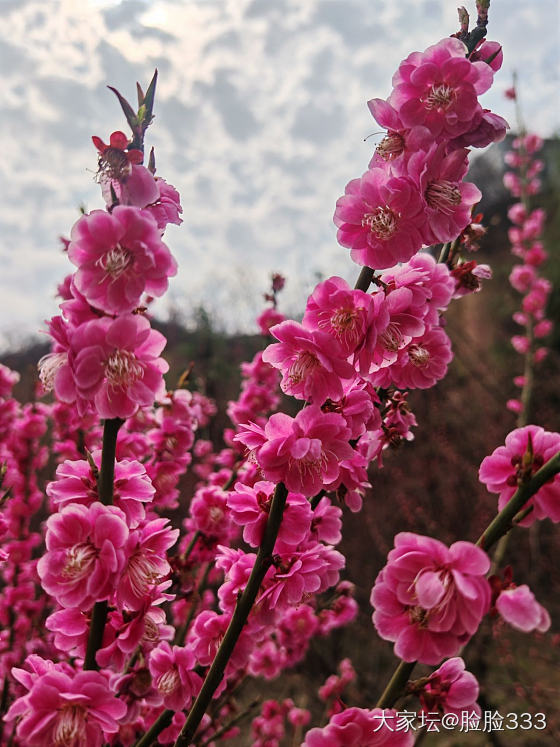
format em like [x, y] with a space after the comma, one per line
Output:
[146, 564]
[422, 363]
[209, 514]
[430, 599]
[522, 277]
[268, 318]
[430, 282]
[119, 256]
[207, 632]
[298, 574]
[438, 89]
[353, 318]
[249, 507]
[76, 483]
[381, 219]
[448, 200]
[521, 610]
[61, 709]
[450, 689]
[85, 554]
[173, 675]
[114, 365]
[526, 450]
[359, 727]
[167, 208]
[303, 452]
[311, 362]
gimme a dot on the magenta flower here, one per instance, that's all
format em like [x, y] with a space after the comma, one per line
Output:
[359, 727]
[526, 450]
[268, 318]
[113, 365]
[249, 508]
[448, 200]
[521, 610]
[381, 219]
[300, 573]
[173, 675]
[85, 554]
[438, 89]
[167, 208]
[422, 363]
[430, 599]
[311, 362]
[61, 709]
[119, 256]
[206, 635]
[146, 564]
[303, 452]
[450, 689]
[76, 483]
[353, 318]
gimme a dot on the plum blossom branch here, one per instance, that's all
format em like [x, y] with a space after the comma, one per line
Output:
[105, 489]
[241, 613]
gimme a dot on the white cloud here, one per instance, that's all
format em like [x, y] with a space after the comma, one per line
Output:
[260, 120]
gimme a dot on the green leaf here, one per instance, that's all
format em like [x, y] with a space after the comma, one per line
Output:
[149, 98]
[131, 117]
[140, 94]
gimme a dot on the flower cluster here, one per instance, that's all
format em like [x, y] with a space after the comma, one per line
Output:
[525, 237]
[413, 193]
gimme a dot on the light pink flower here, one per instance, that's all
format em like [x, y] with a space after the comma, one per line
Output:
[525, 451]
[61, 709]
[303, 452]
[114, 366]
[381, 219]
[85, 554]
[359, 727]
[119, 256]
[430, 599]
[438, 89]
[521, 610]
[173, 675]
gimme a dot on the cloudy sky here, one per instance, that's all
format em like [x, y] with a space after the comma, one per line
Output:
[260, 122]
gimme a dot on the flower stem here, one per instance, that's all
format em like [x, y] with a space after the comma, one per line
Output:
[161, 723]
[241, 613]
[396, 685]
[364, 279]
[105, 492]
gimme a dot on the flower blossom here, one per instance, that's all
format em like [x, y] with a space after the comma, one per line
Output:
[381, 219]
[518, 606]
[303, 452]
[173, 675]
[113, 364]
[450, 689]
[438, 89]
[524, 453]
[61, 709]
[360, 727]
[119, 256]
[85, 552]
[430, 599]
